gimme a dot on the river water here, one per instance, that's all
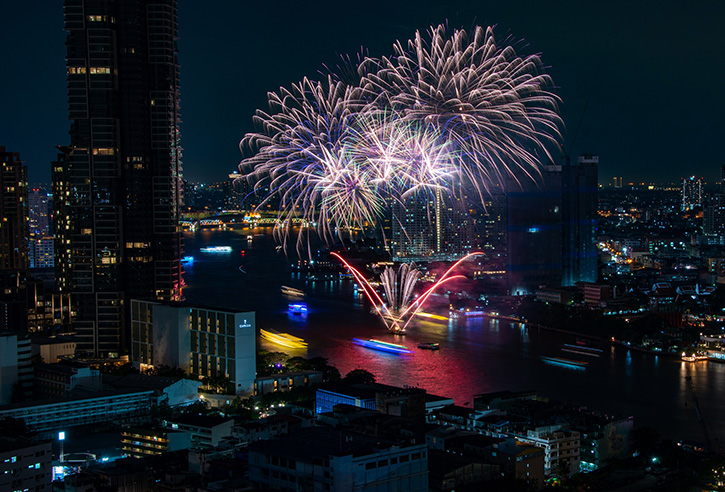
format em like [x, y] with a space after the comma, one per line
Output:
[477, 355]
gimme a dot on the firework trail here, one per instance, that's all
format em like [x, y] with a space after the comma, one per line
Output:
[399, 285]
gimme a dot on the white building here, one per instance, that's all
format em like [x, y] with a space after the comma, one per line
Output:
[560, 446]
[203, 341]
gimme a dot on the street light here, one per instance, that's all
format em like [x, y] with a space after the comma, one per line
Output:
[61, 438]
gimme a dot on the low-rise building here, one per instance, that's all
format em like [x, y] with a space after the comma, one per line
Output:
[562, 448]
[144, 441]
[53, 349]
[286, 381]
[25, 465]
[203, 430]
[60, 379]
[319, 458]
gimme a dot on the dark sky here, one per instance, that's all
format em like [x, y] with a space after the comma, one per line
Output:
[650, 74]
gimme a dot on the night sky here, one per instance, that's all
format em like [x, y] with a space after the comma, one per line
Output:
[643, 78]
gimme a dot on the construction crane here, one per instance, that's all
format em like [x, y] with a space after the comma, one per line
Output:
[693, 395]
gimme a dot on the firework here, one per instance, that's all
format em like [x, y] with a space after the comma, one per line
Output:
[399, 285]
[303, 158]
[444, 114]
[494, 106]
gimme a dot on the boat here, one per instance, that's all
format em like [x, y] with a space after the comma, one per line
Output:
[693, 357]
[429, 346]
[581, 350]
[298, 308]
[284, 339]
[436, 317]
[565, 362]
[216, 249]
[291, 291]
[374, 344]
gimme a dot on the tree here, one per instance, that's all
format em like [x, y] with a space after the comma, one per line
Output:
[270, 362]
[217, 384]
[170, 372]
[359, 376]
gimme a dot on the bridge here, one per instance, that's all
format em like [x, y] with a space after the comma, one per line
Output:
[236, 218]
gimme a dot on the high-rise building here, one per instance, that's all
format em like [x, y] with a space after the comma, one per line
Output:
[534, 238]
[691, 193]
[13, 240]
[431, 227]
[120, 178]
[579, 207]
[39, 211]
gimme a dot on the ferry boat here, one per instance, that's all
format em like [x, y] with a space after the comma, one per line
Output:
[429, 346]
[216, 249]
[283, 339]
[374, 344]
[694, 357]
[291, 291]
[565, 362]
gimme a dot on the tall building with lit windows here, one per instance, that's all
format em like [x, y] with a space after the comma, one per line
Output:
[431, 227]
[691, 193]
[13, 240]
[122, 170]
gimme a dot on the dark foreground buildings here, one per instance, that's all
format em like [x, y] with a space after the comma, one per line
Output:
[118, 235]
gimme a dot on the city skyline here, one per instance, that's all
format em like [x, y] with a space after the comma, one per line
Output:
[620, 73]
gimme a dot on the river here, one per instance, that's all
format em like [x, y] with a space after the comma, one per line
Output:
[477, 355]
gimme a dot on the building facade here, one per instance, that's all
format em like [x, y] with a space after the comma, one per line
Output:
[324, 459]
[205, 342]
[579, 221]
[120, 177]
[691, 192]
[25, 465]
[16, 369]
[534, 236]
[13, 240]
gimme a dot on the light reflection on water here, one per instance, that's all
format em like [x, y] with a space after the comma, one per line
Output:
[477, 355]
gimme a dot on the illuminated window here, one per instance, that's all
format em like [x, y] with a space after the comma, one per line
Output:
[100, 70]
[76, 70]
[104, 151]
[86, 232]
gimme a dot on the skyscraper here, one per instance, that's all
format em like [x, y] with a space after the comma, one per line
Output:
[13, 241]
[431, 227]
[579, 219]
[691, 192]
[534, 231]
[122, 170]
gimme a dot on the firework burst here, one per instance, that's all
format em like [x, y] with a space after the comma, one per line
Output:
[446, 113]
[494, 106]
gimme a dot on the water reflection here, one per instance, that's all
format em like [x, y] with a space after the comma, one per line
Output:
[476, 355]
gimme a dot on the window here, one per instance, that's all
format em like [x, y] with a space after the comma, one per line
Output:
[371, 465]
